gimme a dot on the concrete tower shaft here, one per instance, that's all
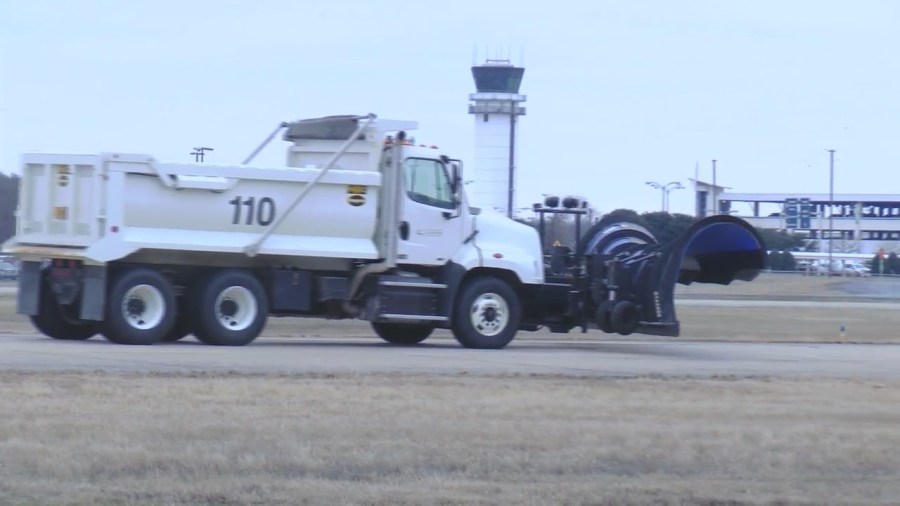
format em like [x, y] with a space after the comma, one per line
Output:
[496, 107]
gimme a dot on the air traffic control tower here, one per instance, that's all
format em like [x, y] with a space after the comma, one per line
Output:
[496, 107]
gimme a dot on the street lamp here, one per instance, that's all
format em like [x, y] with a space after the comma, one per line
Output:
[665, 190]
[831, 207]
[200, 152]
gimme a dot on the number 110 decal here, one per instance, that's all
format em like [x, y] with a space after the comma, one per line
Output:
[257, 213]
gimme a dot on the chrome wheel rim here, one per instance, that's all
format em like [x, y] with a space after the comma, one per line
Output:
[489, 314]
[236, 308]
[143, 307]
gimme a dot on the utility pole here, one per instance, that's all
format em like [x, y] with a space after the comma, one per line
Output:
[830, 206]
[200, 152]
[512, 159]
[715, 191]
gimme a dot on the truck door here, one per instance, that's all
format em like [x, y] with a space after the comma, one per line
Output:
[430, 231]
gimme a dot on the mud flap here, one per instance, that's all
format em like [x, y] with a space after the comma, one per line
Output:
[626, 265]
[29, 293]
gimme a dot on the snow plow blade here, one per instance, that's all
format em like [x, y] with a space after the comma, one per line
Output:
[633, 277]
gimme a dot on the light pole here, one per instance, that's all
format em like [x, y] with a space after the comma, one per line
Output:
[715, 190]
[830, 206]
[200, 152]
[665, 189]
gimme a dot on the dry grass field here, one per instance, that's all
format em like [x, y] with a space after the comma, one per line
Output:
[405, 439]
[790, 324]
[795, 286]
[812, 323]
[219, 439]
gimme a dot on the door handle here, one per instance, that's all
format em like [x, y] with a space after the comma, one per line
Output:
[404, 230]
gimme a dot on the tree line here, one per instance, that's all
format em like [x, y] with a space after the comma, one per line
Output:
[9, 200]
[666, 227]
[887, 265]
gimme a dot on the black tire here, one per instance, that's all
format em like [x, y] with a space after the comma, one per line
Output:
[184, 325]
[604, 322]
[182, 328]
[140, 309]
[402, 333]
[230, 308]
[625, 317]
[487, 314]
[52, 320]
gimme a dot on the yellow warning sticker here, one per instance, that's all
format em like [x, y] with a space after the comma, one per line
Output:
[356, 189]
[557, 243]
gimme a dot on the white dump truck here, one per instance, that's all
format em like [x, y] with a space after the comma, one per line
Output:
[360, 223]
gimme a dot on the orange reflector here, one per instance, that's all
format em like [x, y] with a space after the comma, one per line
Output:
[60, 213]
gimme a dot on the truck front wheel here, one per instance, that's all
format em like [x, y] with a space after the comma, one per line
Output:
[487, 314]
[402, 333]
[141, 308]
[229, 309]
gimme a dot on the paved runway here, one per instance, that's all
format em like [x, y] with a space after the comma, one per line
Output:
[613, 358]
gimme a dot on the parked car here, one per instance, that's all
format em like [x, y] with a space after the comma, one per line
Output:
[8, 271]
[855, 269]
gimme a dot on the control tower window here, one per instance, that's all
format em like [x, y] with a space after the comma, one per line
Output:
[497, 78]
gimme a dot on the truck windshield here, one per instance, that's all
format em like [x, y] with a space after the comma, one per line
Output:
[427, 183]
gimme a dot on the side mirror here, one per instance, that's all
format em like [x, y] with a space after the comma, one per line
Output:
[455, 175]
[455, 186]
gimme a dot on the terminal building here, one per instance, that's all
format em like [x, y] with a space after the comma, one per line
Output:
[853, 222]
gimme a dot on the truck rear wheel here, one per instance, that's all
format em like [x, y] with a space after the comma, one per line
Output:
[229, 309]
[402, 333]
[487, 314]
[183, 325]
[52, 320]
[180, 330]
[141, 308]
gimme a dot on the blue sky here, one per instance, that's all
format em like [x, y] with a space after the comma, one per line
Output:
[619, 92]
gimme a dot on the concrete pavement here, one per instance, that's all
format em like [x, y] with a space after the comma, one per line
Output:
[599, 358]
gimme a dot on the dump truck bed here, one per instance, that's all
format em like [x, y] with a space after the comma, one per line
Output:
[111, 205]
